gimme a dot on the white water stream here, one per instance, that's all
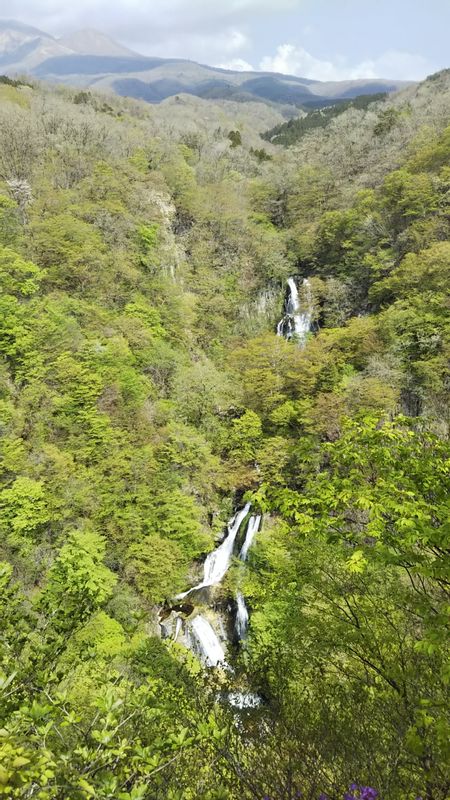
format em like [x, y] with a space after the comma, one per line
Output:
[298, 313]
[242, 615]
[241, 622]
[252, 528]
[217, 562]
[201, 634]
[242, 700]
[206, 642]
[178, 627]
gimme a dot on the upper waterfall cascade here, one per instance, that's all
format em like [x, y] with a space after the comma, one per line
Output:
[297, 318]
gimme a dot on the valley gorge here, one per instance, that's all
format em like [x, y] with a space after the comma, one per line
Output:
[224, 455]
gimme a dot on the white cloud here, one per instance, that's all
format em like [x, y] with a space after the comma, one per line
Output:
[237, 64]
[204, 47]
[396, 64]
[292, 60]
[137, 18]
[234, 41]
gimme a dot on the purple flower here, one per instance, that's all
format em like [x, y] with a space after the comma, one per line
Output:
[368, 793]
[357, 792]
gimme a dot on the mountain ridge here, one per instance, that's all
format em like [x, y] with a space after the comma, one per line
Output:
[89, 57]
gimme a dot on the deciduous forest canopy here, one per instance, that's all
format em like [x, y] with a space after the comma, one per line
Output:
[145, 396]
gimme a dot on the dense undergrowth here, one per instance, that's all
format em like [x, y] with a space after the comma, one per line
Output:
[143, 390]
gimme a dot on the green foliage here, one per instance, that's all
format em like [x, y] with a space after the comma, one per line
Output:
[244, 436]
[427, 271]
[69, 248]
[101, 638]
[144, 393]
[81, 98]
[9, 221]
[25, 510]
[18, 277]
[148, 237]
[387, 120]
[78, 581]
[235, 138]
[354, 600]
[260, 154]
[433, 154]
[407, 197]
[157, 566]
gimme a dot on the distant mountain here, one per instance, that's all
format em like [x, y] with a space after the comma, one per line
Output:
[95, 43]
[90, 58]
[23, 47]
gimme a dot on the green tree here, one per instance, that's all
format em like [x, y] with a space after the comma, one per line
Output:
[78, 581]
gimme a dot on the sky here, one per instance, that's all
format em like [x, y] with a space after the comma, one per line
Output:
[322, 39]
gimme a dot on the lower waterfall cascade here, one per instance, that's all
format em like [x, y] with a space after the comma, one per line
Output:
[241, 622]
[199, 634]
[206, 642]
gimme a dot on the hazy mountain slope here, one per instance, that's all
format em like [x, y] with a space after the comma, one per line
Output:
[14, 34]
[23, 47]
[153, 79]
[90, 58]
[349, 89]
[92, 42]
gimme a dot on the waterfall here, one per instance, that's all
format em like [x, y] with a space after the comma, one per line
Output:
[217, 562]
[178, 625]
[252, 528]
[202, 636]
[297, 320]
[206, 642]
[241, 700]
[241, 621]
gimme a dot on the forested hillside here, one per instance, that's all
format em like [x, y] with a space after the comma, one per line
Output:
[145, 396]
[290, 132]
